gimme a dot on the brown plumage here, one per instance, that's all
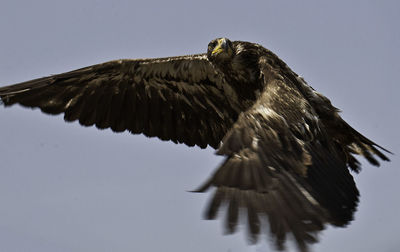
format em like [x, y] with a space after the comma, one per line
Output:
[287, 151]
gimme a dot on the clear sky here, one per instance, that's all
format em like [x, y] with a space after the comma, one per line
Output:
[64, 187]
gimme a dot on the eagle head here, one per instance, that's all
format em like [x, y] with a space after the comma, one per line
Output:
[238, 60]
[220, 49]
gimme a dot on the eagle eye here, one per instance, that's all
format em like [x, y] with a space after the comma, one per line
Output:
[212, 44]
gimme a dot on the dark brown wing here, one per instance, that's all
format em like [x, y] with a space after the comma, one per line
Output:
[348, 140]
[353, 143]
[182, 99]
[281, 164]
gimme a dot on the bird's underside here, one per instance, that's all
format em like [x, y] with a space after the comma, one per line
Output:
[287, 151]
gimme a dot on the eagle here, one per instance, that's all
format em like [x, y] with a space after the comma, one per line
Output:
[287, 152]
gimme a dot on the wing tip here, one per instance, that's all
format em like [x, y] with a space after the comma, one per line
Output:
[204, 187]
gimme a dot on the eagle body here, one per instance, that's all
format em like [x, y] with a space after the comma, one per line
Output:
[287, 150]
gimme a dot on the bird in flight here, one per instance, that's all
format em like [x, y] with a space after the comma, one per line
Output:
[287, 151]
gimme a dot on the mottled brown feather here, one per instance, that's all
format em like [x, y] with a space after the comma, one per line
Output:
[137, 95]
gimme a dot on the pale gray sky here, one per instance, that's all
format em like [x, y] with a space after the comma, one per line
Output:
[68, 188]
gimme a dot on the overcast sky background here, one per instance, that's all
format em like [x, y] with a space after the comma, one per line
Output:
[64, 187]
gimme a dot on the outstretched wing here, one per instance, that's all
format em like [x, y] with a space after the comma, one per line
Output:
[183, 99]
[281, 164]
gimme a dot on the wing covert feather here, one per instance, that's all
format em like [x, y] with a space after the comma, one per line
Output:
[181, 99]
